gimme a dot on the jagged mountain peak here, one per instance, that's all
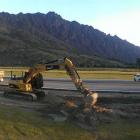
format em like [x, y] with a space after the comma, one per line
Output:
[52, 33]
[53, 14]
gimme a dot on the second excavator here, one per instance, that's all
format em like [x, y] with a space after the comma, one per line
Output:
[30, 85]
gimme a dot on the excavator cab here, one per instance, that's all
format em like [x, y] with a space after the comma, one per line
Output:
[36, 82]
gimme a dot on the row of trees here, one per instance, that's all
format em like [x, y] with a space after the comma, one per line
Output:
[138, 62]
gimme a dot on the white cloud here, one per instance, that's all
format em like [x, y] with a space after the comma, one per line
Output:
[124, 25]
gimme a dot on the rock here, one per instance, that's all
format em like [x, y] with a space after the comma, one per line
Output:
[57, 118]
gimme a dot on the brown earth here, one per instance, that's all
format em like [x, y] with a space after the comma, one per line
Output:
[63, 106]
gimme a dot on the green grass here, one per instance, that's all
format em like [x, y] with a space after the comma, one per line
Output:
[120, 130]
[126, 74]
[22, 124]
[93, 74]
[17, 124]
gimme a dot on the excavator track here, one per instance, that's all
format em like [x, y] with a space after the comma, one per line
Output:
[20, 95]
[40, 94]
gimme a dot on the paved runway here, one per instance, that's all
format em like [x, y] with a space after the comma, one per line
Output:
[96, 85]
[108, 85]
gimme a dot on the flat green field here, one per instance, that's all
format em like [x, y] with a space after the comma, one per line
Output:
[93, 74]
[17, 124]
[100, 73]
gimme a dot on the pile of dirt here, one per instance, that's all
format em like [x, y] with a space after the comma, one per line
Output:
[73, 109]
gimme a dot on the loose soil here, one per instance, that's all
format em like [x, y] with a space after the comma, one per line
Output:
[69, 106]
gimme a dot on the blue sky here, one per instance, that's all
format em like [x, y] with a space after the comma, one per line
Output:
[117, 17]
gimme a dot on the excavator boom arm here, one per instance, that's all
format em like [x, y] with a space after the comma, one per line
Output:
[72, 72]
[58, 64]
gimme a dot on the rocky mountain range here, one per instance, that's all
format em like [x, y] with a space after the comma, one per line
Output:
[27, 39]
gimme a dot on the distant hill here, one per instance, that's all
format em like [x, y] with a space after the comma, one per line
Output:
[27, 39]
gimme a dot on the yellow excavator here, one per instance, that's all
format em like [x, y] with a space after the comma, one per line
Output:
[30, 85]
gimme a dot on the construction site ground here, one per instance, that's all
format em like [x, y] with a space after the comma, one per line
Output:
[61, 115]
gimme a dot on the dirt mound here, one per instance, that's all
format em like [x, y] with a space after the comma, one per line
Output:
[69, 106]
[72, 108]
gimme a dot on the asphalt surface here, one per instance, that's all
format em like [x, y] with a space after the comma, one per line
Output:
[95, 85]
